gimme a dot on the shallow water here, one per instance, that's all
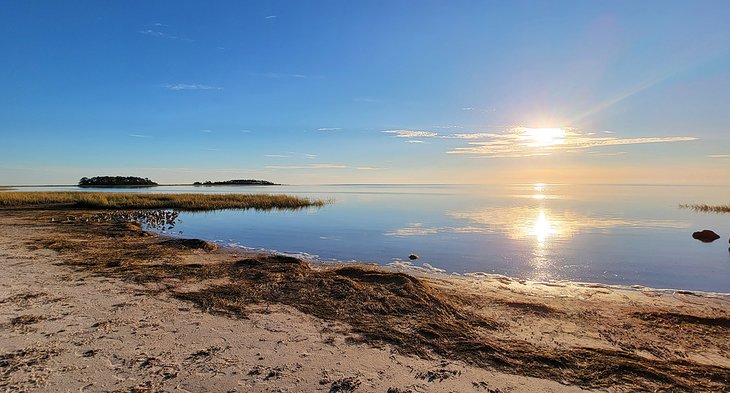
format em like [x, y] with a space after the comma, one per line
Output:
[609, 234]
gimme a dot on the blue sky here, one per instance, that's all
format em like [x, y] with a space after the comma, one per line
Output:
[367, 91]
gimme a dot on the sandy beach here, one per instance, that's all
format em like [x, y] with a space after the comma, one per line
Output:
[91, 304]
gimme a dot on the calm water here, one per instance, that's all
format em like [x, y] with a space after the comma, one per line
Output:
[609, 234]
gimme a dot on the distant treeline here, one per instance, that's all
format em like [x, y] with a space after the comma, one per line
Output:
[245, 182]
[116, 181]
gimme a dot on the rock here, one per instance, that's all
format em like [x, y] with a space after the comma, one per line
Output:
[706, 236]
[412, 257]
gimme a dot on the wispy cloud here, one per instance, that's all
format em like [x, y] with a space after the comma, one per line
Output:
[291, 154]
[471, 135]
[191, 86]
[329, 129]
[412, 133]
[307, 166]
[518, 144]
[607, 154]
[718, 156]
[206, 131]
[529, 142]
[479, 110]
[140, 136]
[368, 168]
[278, 75]
[271, 17]
[153, 33]
[158, 30]
[244, 131]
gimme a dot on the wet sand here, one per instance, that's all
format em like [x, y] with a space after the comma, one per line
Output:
[89, 305]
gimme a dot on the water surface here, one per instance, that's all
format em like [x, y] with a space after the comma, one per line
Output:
[609, 234]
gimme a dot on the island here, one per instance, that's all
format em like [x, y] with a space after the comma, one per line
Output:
[244, 182]
[116, 181]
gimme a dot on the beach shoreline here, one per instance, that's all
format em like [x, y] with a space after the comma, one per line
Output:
[529, 335]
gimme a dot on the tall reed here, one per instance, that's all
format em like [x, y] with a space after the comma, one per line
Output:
[707, 208]
[185, 202]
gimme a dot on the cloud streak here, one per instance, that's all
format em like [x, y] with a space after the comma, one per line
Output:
[515, 145]
[529, 142]
[277, 75]
[191, 86]
[429, 134]
[156, 31]
[329, 129]
[307, 166]
[412, 133]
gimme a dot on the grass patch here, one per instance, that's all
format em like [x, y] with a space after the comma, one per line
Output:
[706, 208]
[183, 202]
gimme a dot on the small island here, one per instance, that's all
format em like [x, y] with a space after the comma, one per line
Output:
[116, 181]
[244, 182]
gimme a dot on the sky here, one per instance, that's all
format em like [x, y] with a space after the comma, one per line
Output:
[312, 92]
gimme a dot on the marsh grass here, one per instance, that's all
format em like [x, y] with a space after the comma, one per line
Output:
[706, 208]
[183, 202]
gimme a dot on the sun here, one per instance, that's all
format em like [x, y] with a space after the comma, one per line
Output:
[542, 137]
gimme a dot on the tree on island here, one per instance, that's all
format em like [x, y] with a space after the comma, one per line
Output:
[245, 182]
[116, 181]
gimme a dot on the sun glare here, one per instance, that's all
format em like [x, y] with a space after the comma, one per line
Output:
[542, 137]
[542, 229]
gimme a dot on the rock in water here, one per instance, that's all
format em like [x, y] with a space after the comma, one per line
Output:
[706, 236]
[412, 257]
